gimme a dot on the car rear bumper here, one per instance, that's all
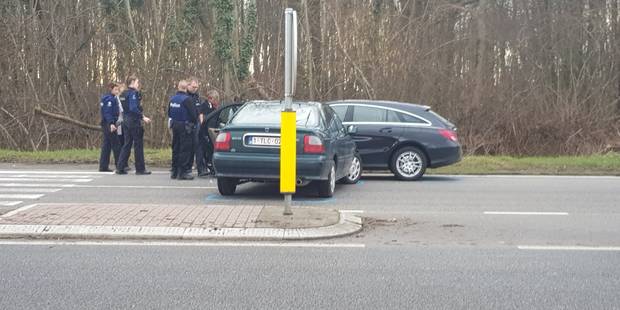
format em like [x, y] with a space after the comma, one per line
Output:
[256, 166]
[444, 156]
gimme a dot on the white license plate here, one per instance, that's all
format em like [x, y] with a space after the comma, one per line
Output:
[267, 141]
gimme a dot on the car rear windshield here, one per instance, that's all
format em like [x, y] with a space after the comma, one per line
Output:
[442, 119]
[269, 114]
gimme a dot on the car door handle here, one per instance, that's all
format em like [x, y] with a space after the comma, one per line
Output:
[386, 130]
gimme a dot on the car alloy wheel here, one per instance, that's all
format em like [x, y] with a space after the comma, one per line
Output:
[355, 171]
[409, 164]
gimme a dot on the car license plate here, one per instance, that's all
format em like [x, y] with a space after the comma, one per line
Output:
[266, 141]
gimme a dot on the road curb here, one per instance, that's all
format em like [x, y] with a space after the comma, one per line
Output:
[347, 225]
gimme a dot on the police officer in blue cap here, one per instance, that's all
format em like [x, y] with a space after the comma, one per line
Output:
[132, 119]
[109, 117]
[183, 118]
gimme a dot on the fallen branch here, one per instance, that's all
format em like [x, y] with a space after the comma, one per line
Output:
[67, 119]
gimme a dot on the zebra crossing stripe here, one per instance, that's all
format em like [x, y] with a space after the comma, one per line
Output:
[9, 203]
[21, 196]
[46, 180]
[49, 176]
[29, 190]
[21, 185]
[53, 172]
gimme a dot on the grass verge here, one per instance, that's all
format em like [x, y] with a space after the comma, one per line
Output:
[607, 164]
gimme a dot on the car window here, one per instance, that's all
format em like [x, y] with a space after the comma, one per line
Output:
[406, 118]
[339, 125]
[269, 114]
[329, 114]
[368, 114]
[392, 117]
[341, 111]
[225, 115]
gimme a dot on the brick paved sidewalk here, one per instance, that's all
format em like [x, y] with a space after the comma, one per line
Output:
[174, 222]
[143, 215]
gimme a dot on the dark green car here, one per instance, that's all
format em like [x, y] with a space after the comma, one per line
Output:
[247, 149]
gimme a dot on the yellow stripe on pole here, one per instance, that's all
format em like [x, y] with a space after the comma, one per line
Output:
[288, 150]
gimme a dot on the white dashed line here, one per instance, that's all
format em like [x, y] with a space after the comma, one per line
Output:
[568, 248]
[524, 213]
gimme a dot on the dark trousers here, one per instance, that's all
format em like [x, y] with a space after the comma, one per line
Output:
[109, 144]
[121, 139]
[134, 136]
[182, 147]
[201, 145]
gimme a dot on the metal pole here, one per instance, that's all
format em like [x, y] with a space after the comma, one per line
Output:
[290, 71]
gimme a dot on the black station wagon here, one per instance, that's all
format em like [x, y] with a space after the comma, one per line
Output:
[248, 147]
[405, 138]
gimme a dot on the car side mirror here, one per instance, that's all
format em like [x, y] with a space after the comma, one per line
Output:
[351, 129]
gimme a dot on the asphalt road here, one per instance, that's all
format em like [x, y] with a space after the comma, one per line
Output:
[447, 242]
[375, 277]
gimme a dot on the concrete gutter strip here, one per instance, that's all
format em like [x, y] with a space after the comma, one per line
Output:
[347, 225]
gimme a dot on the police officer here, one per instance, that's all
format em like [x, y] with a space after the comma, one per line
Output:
[109, 117]
[183, 119]
[134, 135]
[201, 143]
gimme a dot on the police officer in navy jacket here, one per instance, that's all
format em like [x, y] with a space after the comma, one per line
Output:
[201, 143]
[132, 120]
[109, 116]
[183, 120]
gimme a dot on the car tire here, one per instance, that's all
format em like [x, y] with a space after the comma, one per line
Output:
[227, 186]
[355, 171]
[409, 163]
[327, 187]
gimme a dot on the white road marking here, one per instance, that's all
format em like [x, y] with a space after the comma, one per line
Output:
[530, 176]
[53, 172]
[35, 185]
[9, 203]
[503, 176]
[24, 208]
[141, 186]
[50, 176]
[352, 211]
[187, 244]
[21, 196]
[101, 186]
[524, 213]
[46, 180]
[29, 190]
[568, 248]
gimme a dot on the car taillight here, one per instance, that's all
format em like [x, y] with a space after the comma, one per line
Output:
[222, 142]
[313, 145]
[449, 134]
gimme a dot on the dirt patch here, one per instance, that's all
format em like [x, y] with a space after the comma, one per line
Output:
[303, 217]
